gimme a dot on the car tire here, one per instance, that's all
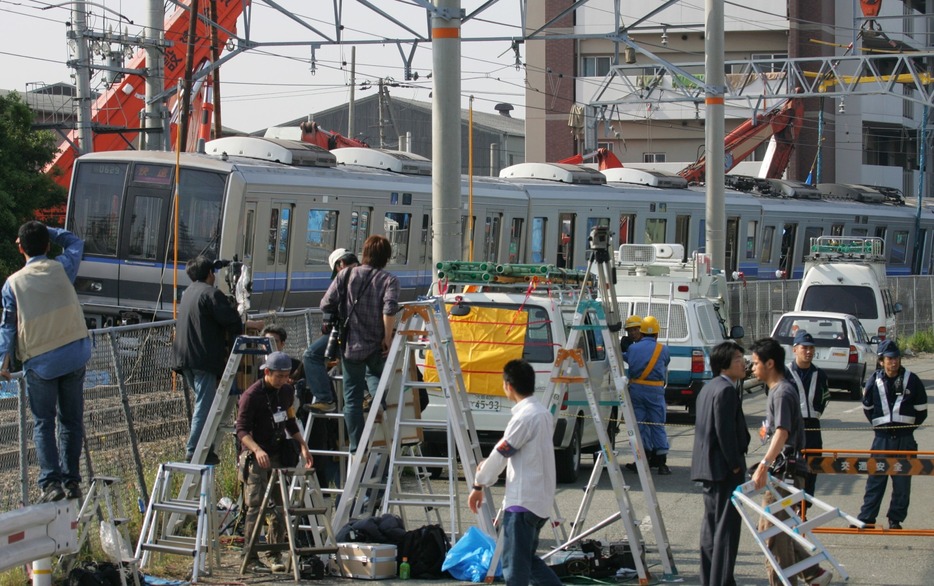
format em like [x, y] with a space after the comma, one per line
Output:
[568, 460]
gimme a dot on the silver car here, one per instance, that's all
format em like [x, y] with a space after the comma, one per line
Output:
[843, 349]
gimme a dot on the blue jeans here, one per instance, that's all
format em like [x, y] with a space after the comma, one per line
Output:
[204, 384]
[520, 541]
[316, 371]
[649, 405]
[64, 397]
[358, 377]
[875, 484]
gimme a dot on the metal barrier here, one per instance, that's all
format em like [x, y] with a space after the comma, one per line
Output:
[137, 411]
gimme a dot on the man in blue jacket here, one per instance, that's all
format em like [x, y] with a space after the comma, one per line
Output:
[44, 325]
[648, 370]
[895, 403]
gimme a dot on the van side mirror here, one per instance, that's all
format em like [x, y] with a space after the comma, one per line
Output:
[897, 308]
[737, 332]
[875, 340]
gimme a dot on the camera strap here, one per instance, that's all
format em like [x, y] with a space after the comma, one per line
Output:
[346, 291]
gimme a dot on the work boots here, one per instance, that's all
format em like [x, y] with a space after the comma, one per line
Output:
[662, 463]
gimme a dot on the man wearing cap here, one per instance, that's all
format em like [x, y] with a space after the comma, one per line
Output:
[632, 335]
[268, 435]
[316, 371]
[813, 392]
[895, 403]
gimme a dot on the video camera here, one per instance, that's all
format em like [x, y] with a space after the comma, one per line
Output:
[220, 263]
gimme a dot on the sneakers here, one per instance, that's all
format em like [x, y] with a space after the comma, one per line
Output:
[277, 567]
[367, 401]
[52, 492]
[822, 579]
[73, 491]
[894, 524]
[324, 406]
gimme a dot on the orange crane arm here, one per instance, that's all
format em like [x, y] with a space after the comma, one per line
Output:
[326, 139]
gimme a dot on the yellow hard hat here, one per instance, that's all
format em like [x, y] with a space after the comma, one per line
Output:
[633, 321]
[649, 325]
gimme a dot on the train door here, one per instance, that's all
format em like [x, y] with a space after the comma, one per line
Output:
[142, 244]
[787, 256]
[537, 239]
[515, 252]
[732, 244]
[277, 281]
[566, 239]
[683, 234]
[919, 261]
[360, 217]
[492, 233]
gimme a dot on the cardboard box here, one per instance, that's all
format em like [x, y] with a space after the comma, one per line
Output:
[368, 561]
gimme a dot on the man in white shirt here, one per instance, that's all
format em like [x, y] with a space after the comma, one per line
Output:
[527, 453]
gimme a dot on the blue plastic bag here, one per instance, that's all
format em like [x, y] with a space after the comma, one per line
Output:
[470, 557]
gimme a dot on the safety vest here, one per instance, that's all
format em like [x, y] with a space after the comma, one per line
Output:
[807, 397]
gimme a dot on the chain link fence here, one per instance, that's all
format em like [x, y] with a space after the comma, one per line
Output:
[137, 411]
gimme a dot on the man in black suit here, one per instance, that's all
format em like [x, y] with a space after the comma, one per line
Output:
[721, 440]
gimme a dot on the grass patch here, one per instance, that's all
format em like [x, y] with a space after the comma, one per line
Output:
[921, 341]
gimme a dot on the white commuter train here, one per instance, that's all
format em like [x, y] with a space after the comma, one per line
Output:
[282, 206]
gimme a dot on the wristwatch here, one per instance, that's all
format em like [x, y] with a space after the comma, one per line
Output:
[477, 487]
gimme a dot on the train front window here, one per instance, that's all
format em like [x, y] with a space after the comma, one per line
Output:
[96, 204]
[145, 226]
[201, 198]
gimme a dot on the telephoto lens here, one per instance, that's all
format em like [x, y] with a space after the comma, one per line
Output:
[332, 350]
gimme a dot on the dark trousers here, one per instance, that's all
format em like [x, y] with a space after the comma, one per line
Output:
[901, 485]
[720, 529]
[812, 441]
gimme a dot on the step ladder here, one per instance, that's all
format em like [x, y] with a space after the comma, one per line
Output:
[788, 500]
[379, 462]
[155, 535]
[104, 504]
[297, 490]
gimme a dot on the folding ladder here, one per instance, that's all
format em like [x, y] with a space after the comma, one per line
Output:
[156, 536]
[297, 488]
[788, 500]
[423, 326]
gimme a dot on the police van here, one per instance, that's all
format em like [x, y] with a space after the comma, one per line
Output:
[688, 299]
[847, 275]
[495, 323]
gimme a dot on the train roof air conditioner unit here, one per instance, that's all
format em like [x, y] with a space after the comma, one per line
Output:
[652, 178]
[395, 161]
[287, 152]
[575, 174]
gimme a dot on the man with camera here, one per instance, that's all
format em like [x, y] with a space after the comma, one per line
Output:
[783, 431]
[206, 325]
[314, 359]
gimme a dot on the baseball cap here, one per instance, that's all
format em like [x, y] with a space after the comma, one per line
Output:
[889, 348]
[803, 338]
[277, 361]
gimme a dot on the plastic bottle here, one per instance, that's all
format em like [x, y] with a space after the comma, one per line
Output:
[405, 570]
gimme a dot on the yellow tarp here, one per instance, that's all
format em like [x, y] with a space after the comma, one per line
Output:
[485, 340]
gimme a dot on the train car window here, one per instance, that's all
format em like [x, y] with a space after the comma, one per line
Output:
[285, 225]
[425, 236]
[768, 235]
[627, 228]
[566, 238]
[751, 228]
[655, 230]
[467, 231]
[273, 236]
[96, 205]
[321, 237]
[491, 235]
[859, 232]
[398, 227]
[898, 247]
[145, 227]
[537, 243]
[881, 231]
[199, 213]
[683, 234]
[809, 233]
[248, 234]
[787, 254]
[515, 240]
[836, 230]
[359, 229]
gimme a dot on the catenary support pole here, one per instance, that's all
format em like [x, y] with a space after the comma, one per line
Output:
[716, 84]
[153, 139]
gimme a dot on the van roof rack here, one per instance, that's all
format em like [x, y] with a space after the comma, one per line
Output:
[513, 275]
[847, 248]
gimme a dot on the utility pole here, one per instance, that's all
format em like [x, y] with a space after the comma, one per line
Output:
[714, 131]
[184, 108]
[152, 137]
[382, 122]
[78, 35]
[446, 212]
[353, 87]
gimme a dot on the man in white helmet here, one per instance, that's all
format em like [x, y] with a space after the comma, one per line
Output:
[316, 371]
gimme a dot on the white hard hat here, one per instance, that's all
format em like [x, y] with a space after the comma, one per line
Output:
[336, 256]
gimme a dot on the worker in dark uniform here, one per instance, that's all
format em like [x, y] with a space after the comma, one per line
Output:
[896, 403]
[813, 392]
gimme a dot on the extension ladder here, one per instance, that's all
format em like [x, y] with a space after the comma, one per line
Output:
[156, 535]
[788, 499]
[423, 326]
[297, 487]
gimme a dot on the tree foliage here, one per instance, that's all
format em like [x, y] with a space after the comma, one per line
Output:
[24, 188]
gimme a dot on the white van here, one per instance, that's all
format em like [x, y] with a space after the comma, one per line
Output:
[492, 327]
[847, 275]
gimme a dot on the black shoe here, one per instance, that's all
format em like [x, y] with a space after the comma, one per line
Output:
[52, 492]
[631, 467]
[73, 491]
[894, 524]
[212, 459]
[664, 470]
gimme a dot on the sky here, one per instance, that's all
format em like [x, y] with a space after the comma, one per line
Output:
[270, 85]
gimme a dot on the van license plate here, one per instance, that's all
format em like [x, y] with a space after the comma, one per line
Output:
[485, 403]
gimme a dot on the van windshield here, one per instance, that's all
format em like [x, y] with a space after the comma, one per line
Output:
[856, 300]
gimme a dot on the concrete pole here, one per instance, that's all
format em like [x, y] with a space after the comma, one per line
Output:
[83, 76]
[353, 88]
[494, 159]
[382, 124]
[446, 132]
[154, 140]
[716, 82]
